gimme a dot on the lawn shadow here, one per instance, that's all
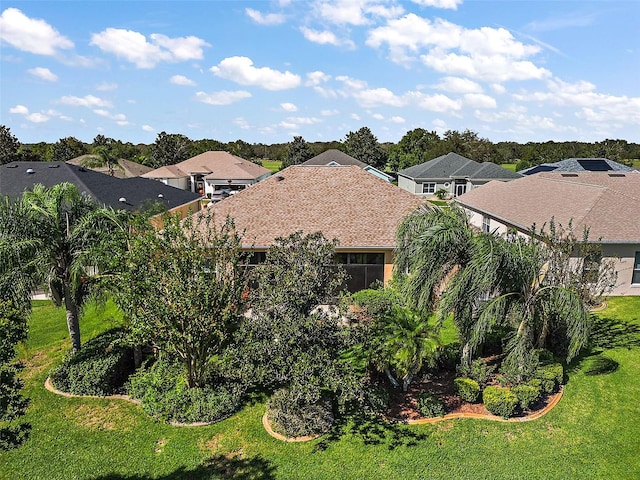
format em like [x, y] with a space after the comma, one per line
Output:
[372, 429]
[222, 467]
[607, 332]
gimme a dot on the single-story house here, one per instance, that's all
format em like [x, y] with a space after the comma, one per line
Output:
[123, 168]
[212, 174]
[452, 173]
[334, 157]
[578, 165]
[120, 193]
[345, 203]
[608, 204]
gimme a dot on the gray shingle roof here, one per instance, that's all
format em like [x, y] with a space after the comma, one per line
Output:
[16, 177]
[453, 165]
[578, 165]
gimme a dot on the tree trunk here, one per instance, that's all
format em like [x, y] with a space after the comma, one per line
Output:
[137, 356]
[406, 381]
[73, 321]
[391, 378]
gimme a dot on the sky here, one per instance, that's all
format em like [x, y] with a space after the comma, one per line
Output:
[266, 71]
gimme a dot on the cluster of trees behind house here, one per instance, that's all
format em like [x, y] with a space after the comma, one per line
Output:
[415, 147]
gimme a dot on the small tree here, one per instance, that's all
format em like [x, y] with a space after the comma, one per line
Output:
[182, 289]
[364, 146]
[169, 149]
[13, 329]
[9, 145]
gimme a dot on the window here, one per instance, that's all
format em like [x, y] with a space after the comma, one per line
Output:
[429, 188]
[362, 269]
[636, 270]
[486, 224]
[591, 267]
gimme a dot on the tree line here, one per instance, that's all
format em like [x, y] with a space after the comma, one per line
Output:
[415, 147]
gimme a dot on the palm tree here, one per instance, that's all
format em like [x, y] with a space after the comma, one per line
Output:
[60, 231]
[409, 342]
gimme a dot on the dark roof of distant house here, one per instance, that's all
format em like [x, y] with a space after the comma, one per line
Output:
[16, 177]
[453, 165]
[579, 165]
[333, 156]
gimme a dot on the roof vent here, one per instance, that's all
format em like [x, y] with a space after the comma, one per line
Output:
[30, 171]
[122, 200]
[569, 174]
[12, 166]
[55, 165]
[279, 178]
[160, 195]
[617, 175]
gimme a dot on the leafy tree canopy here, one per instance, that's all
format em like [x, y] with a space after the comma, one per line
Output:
[363, 145]
[9, 145]
[298, 151]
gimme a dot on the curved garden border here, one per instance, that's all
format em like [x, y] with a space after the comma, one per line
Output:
[267, 426]
[49, 386]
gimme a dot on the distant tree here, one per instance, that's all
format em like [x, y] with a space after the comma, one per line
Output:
[242, 149]
[9, 146]
[189, 300]
[415, 147]
[37, 152]
[169, 149]
[363, 145]
[206, 145]
[469, 144]
[101, 141]
[298, 151]
[13, 329]
[67, 149]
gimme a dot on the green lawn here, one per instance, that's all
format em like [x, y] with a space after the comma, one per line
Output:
[273, 165]
[593, 433]
[509, 166]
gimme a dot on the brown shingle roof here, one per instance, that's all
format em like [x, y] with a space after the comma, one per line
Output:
[608, 204]
[216, 165]
[346, 203]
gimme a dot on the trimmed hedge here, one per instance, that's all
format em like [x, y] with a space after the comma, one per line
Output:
[468, 389]
[551, 376]
[292, 417]
[164, 395]
[430, 405]
[527, 394]
[101, 367]
[500, 401]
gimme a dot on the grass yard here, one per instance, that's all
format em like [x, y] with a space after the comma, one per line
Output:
[593, 433]
[509, 166]
[273, 165]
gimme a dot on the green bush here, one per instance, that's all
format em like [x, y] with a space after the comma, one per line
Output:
[101, 367]
[377, 399]
[164, 395]
[377, 303]
[430, 405]
[293, 417]
[500, 401]
[478, 370]
[468, 389]
[448, 357]
[551, 376]
[527, 394]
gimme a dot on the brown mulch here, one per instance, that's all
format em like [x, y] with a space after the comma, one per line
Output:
[404, 404]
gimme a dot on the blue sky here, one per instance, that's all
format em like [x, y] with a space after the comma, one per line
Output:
[265, 71]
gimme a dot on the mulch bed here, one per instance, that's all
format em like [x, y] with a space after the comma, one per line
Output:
[404, 404]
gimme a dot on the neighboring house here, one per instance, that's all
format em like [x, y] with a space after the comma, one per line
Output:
[608, 204]
[120, 193]
[121, 169]
[578, 165]
[212, 174]
[452, 173]
[345, 203]
[334, 158]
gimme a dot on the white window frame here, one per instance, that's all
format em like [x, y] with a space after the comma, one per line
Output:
[635, 275]
[486, 224]
[429, 188]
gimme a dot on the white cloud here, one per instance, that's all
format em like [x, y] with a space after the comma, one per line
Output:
[323, 38]
[450, 4]
[37, 117]
[303, 120]
[458, 85]
[489, 54]
[182, 80]
[89, 101]
[31, 35]
[105, 87]
[355, 12]
[241, 122]
[135, 48]
[289, 107]
[329, 113]
[265, 19]
[397, 119]
[378, 96]
[19, 109]
[479, 100]
[242, 71]
[43, 74]
[119, 118]
[316, 78]
[223, 97]
[436, 102]
[148, 128]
